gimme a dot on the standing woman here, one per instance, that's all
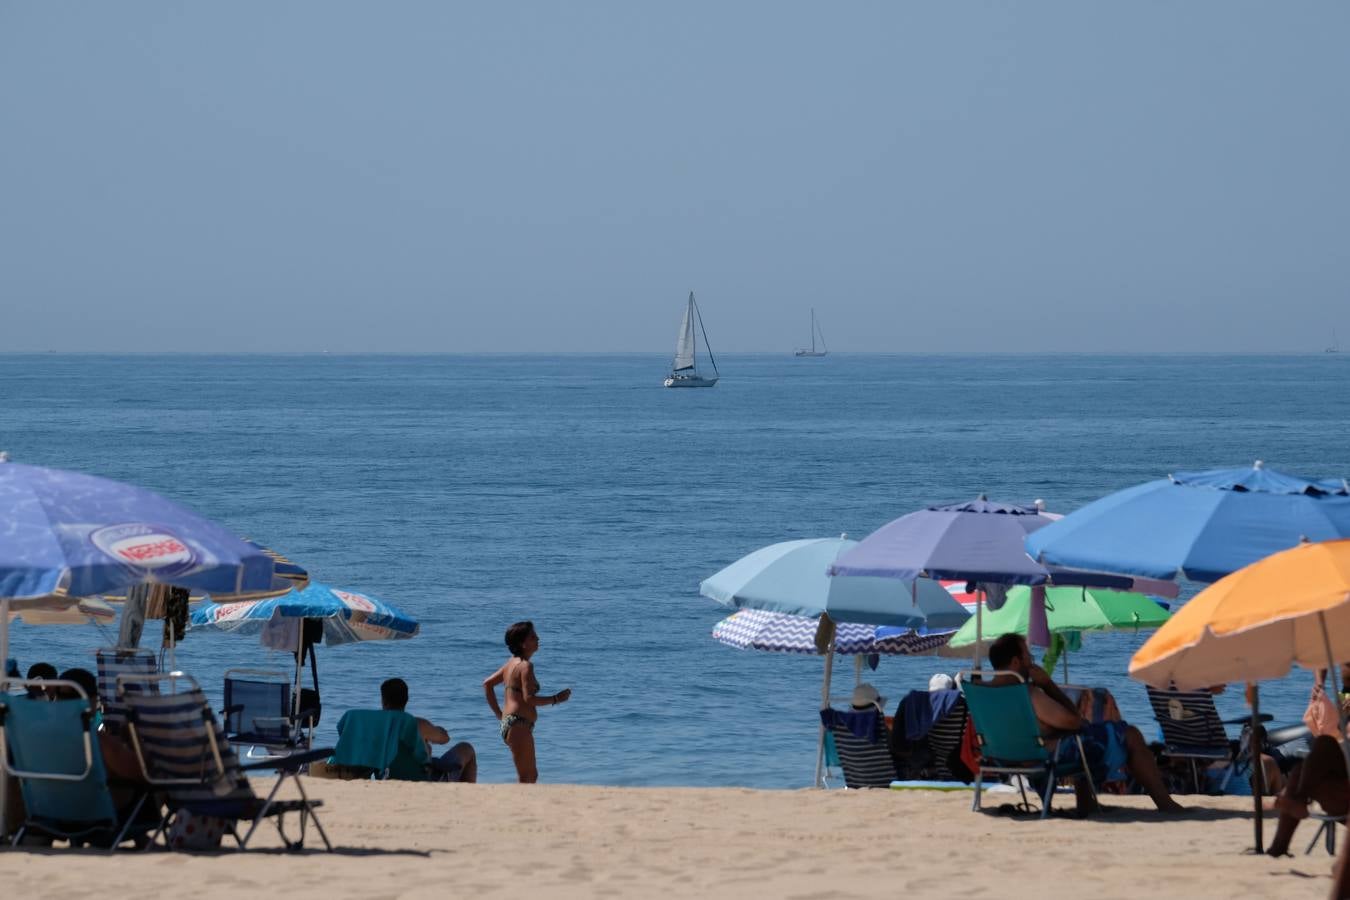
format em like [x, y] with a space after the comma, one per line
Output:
[522, 698]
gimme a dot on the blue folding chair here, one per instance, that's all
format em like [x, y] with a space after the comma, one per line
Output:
[182, 750]
[53, 750]
[259, 715]
[1010, 738]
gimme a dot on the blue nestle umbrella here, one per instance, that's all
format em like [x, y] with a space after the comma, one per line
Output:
[347, 616]
[85, 535]
[790, 577]
[1197, 525]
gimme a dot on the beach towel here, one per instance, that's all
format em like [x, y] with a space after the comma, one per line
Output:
[381, 740]
[865, 724]
[920, 710]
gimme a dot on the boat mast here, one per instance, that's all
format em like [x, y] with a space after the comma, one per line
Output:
[705, 333]
[813, 329]
[693, 310]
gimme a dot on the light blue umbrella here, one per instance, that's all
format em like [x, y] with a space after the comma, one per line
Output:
[347, 616]
[790, 577]
[1196, 525]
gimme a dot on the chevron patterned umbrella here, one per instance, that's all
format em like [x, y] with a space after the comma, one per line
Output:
[775, 632]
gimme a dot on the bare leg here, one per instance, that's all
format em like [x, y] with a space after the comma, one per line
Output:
[521, 741]
[468, 761]
[1144, 768]
[1319, 777]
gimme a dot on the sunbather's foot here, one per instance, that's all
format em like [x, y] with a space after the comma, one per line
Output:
[1169, 806]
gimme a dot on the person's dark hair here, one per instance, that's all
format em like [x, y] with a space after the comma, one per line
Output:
[41, 670]
[517, 635]
[394, 694]
[1004, 650]
[86, 680]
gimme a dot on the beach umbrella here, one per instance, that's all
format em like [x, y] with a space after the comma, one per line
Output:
[347, 616]
[1196, 525]
[791, 577]
[1068, 610]
[75, 611]
[1292, 607]
[981, 541]
[757, 629]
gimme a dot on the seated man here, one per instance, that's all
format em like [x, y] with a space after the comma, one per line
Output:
[1059, 717]
[459, 763]
[40, 672]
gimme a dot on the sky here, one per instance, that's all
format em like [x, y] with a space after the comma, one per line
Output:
[406, 176]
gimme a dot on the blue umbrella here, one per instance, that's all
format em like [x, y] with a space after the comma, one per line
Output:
[347, 616]
[85, 535]
[758, 629]
[790, 577]
[1197, 525]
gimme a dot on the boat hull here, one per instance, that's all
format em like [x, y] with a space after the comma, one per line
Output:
[689, 381]
[811, 353]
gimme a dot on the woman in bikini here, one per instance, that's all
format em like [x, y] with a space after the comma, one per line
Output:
[522, 698]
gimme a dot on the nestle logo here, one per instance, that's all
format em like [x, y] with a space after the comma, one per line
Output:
[144, 546]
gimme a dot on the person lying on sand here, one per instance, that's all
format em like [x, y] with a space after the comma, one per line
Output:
[1058, 716]
[459, 763]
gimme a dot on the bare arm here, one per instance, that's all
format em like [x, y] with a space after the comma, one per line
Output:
[1052, 714]
[490, 690]
[527, 682]
[1041, 679]
[432, 734]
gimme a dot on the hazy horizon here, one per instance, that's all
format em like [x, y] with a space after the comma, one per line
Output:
[421, 177]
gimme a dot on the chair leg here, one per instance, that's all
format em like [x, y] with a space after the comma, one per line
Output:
[1049, 794]
[1317, 835]
[1087, 773]
[262, 814]
[979, 784]
[308, 807]
[131, 820]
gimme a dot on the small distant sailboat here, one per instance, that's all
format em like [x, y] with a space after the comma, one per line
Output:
[1335, 344]
[684, 370]
[815, 330]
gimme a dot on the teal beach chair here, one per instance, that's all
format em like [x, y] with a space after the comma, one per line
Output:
[54, 752]
[380, 744]
[1010, 738]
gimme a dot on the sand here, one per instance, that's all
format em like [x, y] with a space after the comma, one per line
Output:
[400, 840]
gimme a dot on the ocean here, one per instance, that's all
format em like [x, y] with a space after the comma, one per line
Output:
[474, 491]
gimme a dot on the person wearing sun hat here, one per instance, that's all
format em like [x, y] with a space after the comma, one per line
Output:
[864, 696]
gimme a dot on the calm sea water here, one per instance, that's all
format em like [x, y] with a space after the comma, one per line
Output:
[575, 491]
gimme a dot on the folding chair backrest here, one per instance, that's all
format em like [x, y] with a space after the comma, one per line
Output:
[866, 762]
[257, 710]
[385, 741]
[112, 662]
[945, 739]
[1188, 719]
[56, 738]
[182, 747]
[1005, 722]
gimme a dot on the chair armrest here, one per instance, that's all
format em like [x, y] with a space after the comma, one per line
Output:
[292, 762]
[231, 710]
[1277, 736]
[1243, 720]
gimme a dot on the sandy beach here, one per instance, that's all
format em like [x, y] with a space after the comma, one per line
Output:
[410, 841]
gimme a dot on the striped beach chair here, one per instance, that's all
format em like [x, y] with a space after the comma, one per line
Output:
[111, 662]
[182, 751]
[1192, 731]
[863, 744]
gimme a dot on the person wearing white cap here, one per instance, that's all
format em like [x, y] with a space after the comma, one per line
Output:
[941, 682]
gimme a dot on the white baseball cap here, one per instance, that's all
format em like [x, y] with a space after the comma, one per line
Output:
[941, 682]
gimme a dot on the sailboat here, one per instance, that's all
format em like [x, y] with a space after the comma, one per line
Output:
[1335, 344]
[815, 330]
[684, 370]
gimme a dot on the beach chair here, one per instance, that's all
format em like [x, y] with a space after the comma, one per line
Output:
[380, 744]
[53, 750]
[944, 741]
[1010, 739]
[111, 662]
[929, 758]
[1194, 734]
[182, 750]
[863, 744]
[258, 714]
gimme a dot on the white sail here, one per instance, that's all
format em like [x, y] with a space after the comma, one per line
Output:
[684, 347]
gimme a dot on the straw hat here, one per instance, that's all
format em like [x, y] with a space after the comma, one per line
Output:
[864, 695]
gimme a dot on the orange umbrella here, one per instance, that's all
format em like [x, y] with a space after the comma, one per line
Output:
[1291, 607]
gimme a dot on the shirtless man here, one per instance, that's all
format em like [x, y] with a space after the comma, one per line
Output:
[1059, 716]
[459, 763]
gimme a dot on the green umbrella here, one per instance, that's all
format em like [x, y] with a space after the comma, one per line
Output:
[1067, 610]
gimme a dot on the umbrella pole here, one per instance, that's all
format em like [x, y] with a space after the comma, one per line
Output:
[979, 627]
[857, 669]
[299, 658]
[1334, 672]
[824, 703]
[1258, 771]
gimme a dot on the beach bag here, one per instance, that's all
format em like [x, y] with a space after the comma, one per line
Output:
[1322, 715]
[190, 832]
